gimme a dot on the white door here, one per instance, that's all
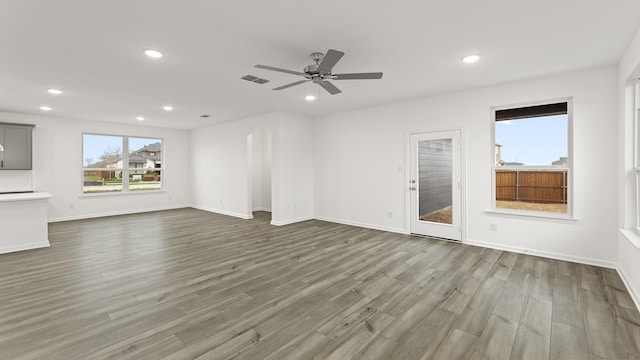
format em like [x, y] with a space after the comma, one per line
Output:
[434, 186]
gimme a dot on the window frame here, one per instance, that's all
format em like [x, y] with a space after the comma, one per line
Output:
[569, 215]
[636, 149]
[125, 166]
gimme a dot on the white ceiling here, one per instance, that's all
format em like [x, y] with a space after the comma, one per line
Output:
[92, 50]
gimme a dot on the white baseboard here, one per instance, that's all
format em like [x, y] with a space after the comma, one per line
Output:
[21, 247]
[262, 209]
[364, 225]
[115, 213]
[546, 254]
[627, 284]
[223, 212]
[291, 221]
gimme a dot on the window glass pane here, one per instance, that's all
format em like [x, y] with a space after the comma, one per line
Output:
[99, 181]
[637, 121]
[101, 151]
[537, 141]
[145, 157]
[145, 153]
[638, 197]
[536, 151]
[435, 171]
[144, 179]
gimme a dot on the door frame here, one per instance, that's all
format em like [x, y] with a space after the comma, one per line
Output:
[463, 184]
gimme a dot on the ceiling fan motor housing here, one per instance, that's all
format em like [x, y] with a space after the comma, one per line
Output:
[311, 69]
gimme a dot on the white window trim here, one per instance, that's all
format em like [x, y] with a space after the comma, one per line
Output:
[125, 170]
[636, 150]
[569, 167]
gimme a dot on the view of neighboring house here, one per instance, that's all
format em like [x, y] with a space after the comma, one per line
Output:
[148, 157]
[561, 161]
[499, 161]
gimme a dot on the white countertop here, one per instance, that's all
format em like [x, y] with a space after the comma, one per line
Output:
[25, 196]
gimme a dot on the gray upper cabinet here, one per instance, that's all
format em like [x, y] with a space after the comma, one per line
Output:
[16, 140]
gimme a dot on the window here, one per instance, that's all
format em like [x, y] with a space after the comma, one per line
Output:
[119, 164]
[532, 158]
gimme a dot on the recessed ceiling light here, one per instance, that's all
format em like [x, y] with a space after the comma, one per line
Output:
[45, 108]
[153, 53]
[167, 108]
[140, 118]
[309, 97]
[54, 91]
[470, 59]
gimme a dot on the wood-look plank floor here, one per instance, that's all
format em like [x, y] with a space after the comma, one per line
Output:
[186, 284]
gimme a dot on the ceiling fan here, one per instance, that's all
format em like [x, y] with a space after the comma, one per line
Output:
[320, 72]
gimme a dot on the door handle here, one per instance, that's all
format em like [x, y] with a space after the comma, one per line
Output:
[413, 188]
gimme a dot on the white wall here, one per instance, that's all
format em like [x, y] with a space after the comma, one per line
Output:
[255, 143]
[261, 170]
[221, 181]
[292, 163]
[266, 170]
[628, 237]
[360, 161]
[57, 163]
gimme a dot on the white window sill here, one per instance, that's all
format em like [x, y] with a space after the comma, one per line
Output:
[532, 215]
[110, 194]
[633, 235]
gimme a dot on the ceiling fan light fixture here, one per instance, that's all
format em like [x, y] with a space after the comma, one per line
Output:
[470, 59]
[154, 54]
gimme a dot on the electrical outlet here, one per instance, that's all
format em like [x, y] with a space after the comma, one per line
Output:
[493, 227]
[389, 214]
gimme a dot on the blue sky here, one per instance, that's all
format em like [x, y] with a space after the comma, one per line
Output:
[533, 141]
[95, 145]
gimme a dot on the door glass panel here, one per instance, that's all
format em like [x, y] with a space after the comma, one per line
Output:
[435, 167]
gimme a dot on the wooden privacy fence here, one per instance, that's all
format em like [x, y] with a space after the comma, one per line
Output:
[536, 186]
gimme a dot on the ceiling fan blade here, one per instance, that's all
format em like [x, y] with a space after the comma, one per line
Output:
[357, 76]
[265, 67]
[329, 60]
[290, 85]
[332, 89]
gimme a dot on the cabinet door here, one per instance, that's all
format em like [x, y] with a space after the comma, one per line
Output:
[17, 148]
